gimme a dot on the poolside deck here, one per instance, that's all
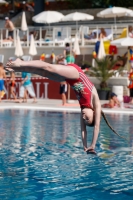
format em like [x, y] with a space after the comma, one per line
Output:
[56, 105]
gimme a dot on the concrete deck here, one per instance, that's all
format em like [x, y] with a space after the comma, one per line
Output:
[56, 105]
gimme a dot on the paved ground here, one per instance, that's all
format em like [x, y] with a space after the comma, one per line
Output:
[56, 105]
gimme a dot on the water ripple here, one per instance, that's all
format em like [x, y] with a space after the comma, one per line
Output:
[41, 157]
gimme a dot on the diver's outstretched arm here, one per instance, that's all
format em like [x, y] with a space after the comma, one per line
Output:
[83, 133]
[97, 117]
[41, 68]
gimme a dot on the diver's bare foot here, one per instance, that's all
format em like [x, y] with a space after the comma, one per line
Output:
[16, 63]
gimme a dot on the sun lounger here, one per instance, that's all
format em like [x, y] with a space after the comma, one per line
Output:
[93, 40]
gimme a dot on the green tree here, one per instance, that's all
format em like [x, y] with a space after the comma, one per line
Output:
[104, 70]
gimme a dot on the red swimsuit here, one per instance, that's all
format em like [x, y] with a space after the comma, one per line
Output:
[82, 87]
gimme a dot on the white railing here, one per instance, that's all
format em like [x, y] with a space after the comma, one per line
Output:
[58, 36]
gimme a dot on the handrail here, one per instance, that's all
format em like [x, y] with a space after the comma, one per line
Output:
[49, 35]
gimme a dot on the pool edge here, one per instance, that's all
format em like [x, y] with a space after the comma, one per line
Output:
[63, 109]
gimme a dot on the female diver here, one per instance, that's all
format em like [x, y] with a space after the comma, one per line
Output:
[85, 91]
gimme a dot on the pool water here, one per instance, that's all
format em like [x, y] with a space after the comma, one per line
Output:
[41, 158]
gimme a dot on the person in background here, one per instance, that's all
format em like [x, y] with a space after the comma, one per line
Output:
[130, 50]
[92, 35]
[102, 33]
[113, 102]
[63, 90]
[63, 85]
[12, 86]
[26, 86]
[131, 85]
[68, 54]
[10, 26]
[130, 31]
[2, 77]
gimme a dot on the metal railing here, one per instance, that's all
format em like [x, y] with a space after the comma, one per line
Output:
[57, 36]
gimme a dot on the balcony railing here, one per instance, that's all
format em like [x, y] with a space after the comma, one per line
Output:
[58, 36]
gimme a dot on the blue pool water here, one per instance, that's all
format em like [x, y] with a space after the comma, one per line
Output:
[41, 158]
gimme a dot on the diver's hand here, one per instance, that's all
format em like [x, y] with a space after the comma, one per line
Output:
[90, 149]
[16, 63]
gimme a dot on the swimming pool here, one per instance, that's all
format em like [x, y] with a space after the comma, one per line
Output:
[41, 158]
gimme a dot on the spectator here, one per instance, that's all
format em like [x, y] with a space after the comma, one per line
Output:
[130, 48]
[130, 31]
[63, 90]
[102, 33]
[68, 54]
[10, 26]
[131, 85]
[113, 102]
[92, 35]
[12, 86]
[63, 85]
[26, 86]
[2, 77]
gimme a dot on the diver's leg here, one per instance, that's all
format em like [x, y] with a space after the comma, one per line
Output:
[37, 67]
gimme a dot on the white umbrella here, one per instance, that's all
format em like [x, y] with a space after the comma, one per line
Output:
[114, 12]
[3, 2]
[76, 48]
[24, 26]
[48, 17]
[117, 42]
[18, 48]
[123, 42]
[77, 16]
[129, 14]
[127, 42]
[101, 51]
[32, 49]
